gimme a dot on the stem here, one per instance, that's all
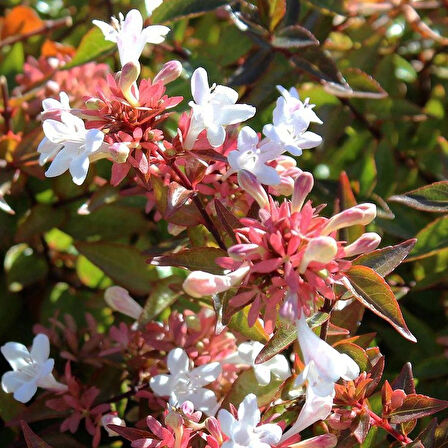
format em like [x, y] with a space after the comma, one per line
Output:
[7, 113]
[196, 200]
[328, 306]
[49, 25]
[129, 393]
[384, 424]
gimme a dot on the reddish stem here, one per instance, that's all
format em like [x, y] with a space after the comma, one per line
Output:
[383, 423]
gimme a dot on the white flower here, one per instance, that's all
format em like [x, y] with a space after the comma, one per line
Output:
[244, 432]
[186, 384]
[252, 157]
[291, 119]
[130, 36]
[213, 108]
[30, 369]
[53, 105]
[70, 145]
[111, 419]
[323, 367]
[246, 355]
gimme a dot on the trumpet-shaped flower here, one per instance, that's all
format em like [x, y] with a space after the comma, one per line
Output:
[323, 367]
[252, 157]
[244, 432]
[186, 384]
[247, 354]
[119, 300]
[291, 119]
[213, 108]
[70, 145]
[30, 369]
[130, 36]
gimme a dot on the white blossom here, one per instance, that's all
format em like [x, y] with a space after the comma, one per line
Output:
[291, 119]
[252, 156]
[244, 432]
[323, 367]
[30, 369]
[111, 419]
[52, 105]
[70, 145]
[130, 36]
[213, 108]
[186, 384]
[247, 354]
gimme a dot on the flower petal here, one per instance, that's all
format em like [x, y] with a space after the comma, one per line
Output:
[11, 381]
[40, 350]
[269, 433]
[161, 385]
[199, 86]
[79, 168]
[26, 391]
[234, 114]
[205, 374]
[110, 33]
[226, 420]
[155, 34]
[59, 165]
[248, 411]
[216, 135]
[16, 354]
[178, 361]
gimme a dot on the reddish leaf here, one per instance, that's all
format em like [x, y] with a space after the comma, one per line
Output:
[376, 373]
[227, 219]
[32, 440]
[416, 406]
[362, 427]
[131, 433]
[20, 20]
[198, 258]
[405, 380]
[374, 293]
[383, 261]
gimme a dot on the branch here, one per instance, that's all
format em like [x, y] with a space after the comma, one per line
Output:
[6, 112]
[47, 27]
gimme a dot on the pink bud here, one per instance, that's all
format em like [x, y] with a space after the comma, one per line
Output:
[285, 187]
[244, 251]
[169, 72]
[120, 300]
[112, 419]
[128, 75]
[212, 425]
[361, 214]
[321, 249]
[119, 152]
[250, 184]
[397, 398]
[363, 245]
[174, 420]
[199, 284]
[302, 188]
[289, 309]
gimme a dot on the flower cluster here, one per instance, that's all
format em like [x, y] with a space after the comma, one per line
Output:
[237, 345]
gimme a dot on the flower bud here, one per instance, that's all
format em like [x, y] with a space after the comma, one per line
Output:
[361, 214]
[302, 188]
[174, 420]
[289, 309]
[94, 103]
[128, 76]
[244, 251]
[119, 152]
[250, 184]
[120, 300]
[212, 425]
[199, 284]
[169, 72]
[112, 419]
[321, 249]
[284, 188]
[363, 245]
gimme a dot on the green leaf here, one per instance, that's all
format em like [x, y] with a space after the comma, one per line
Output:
[247, 383]
[285, 334]
[355, 352]
[32, 440]
[361, 85]
[171, 10]
[92, 46]
[335, 6]
[417, 406]
[383, 261]
[196, 259]
[272, 11]
[23, 267]
[90, 275]
[41, 218]
[430, 198]
[373, 292]
[431, 239]
[161, 297]
[238, 322]
[294, 37]
[12, 63]
[123, 264]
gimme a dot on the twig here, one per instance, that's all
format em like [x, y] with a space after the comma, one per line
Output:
[197, 201]
[129, 393]
[48, 26]
[6, 112]
[328, 306]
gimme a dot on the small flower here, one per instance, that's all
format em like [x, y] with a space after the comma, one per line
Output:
[252, 157]
[291, 119]
[119, 300]
[111, 419]
[186, 384]
[213, 108]
[247, 354]
[30, 369]
[70, 145]
[244, 432]
[170, 71]
[53, 108]
[130, 36]
[323, 367]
